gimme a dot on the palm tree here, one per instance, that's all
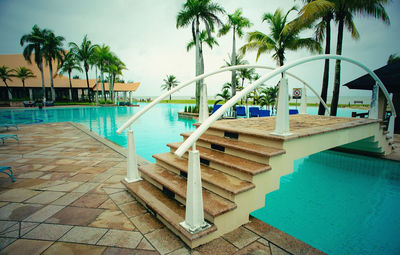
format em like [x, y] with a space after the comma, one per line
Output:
[70, 63]
[115, 68]
[224, 95]
[321, 10]
[102, 55]
[194, 11]
[236, 22]
[84, 53]
[35, 41]
[268, 97]
[52, 50]
[169, 83]
[24, 73]
[6, 74]
[246, 73]
[393, 58]
[344, 11]
[280, 39]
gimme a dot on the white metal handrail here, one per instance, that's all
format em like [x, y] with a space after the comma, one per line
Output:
[200, 77]
[210, 120]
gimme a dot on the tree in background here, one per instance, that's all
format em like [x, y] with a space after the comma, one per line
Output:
[5, 75]
[24, 73]
[101, 56]
[237, 23]
[34, 44]
[169, 83]
[70, 63]
[194, 11]
[393, 58]
[53, 50]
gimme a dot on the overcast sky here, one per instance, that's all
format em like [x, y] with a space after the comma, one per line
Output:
[144, 35]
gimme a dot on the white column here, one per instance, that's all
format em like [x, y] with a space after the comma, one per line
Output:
[30, 94]
[203, 111]
[130, 97]
[194, 218]
[303, 101]
[374, 108]
[282, 113]
[132, 174]
[391, 123]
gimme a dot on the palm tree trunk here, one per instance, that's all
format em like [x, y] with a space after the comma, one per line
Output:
[87, 83]
[70, 86]
[26, 91]
[198, 84]
[233, 78]
[336, 87]
[53, 93]
[325, 80]
[8, 89]
[102, 82]
[109, 88]
[42, 76]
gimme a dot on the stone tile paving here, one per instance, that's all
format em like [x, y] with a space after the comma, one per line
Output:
[68, 199]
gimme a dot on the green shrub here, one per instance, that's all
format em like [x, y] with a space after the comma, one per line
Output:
[189, 109]
[210, 108]
[195, 109]
[185, 108]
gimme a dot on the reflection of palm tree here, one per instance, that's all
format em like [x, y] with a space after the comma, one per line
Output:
[35, 41]
[280, 39]
[70, 63]
[236, 22]
[192, 13]
[24, 73]
[6, 74]
[169, 83]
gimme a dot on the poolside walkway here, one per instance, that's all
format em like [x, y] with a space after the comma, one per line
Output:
[68, 199]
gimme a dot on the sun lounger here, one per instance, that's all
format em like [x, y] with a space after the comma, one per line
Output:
[264, 113]
[240, 111]
[49, 103]
[29, 103]
[293, 111]
[7, 136]
[253, 111]
[215, 108]
[10, 173]
[8, 126]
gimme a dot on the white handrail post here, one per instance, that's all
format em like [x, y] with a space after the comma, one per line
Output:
[282, 113]
[373, 111]
[203, 111]
[391, 122]
[303, 102]
[194, 217]
[132, 174]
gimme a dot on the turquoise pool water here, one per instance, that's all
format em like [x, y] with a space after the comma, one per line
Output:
[338, 203]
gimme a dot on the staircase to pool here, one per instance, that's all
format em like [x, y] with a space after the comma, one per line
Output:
[240, 163]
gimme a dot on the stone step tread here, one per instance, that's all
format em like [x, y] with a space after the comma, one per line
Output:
[219, 179]
[237, 163]
[213, 204]
[169, 209]
[239, 145]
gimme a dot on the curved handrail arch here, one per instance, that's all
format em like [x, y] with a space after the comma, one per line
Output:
[200, 77]
[210, 120]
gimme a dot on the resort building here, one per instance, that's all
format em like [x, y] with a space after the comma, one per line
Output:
[33, 86]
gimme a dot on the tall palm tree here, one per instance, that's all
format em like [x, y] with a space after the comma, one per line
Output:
[224, 95]
[280, 39]
[344, 11]
[84, 53]
[52, 50]
[70, 63]
[24, 73]
[194, 11]
[321, 10]
[237, 23]
[115, 68]
[393, 58]
[169, 83]
[102, 55]
[246, 73]
[35, 41]
[6, 74]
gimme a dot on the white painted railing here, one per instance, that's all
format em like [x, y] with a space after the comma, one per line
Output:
[194, 218]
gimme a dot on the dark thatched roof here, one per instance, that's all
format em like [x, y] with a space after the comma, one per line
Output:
[388, 74]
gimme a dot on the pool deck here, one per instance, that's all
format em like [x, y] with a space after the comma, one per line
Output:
[68, 198]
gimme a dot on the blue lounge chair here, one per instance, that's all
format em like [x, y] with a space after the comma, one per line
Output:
[10, 173]
[254, 111]
[5, 137]
[240, 111]
[216, 107]
[293, 111]
[264, 113]
[9, 125]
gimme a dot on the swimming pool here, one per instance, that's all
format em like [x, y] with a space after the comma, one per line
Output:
[338, 203]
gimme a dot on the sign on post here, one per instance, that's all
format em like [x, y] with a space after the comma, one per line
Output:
[296, 93]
